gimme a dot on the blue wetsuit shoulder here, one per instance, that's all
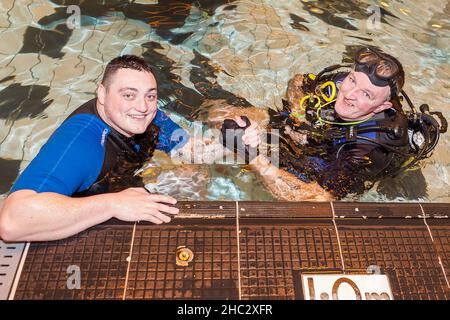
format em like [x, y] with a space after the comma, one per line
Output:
[170, 134]
[70, 160]
[73, 157]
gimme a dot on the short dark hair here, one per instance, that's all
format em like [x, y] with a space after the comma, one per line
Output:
[124, 62]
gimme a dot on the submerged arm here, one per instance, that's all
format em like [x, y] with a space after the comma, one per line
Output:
[286, 186]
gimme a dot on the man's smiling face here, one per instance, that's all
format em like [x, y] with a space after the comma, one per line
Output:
[128, 102]
[359, 99]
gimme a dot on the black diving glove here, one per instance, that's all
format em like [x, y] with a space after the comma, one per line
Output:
[236, 133]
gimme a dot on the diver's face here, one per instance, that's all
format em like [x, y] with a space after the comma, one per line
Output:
[129, 101]
[359, 99]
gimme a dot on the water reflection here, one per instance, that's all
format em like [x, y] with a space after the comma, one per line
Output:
[47, 42]
[208, 54]
[341, 13]
[12, 103]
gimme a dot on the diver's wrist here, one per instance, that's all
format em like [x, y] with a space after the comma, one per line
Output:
[260, 160]
[264, 166]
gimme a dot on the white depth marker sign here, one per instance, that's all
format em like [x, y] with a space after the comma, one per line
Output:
[346, 287]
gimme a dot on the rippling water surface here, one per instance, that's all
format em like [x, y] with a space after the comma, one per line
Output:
[211, 54]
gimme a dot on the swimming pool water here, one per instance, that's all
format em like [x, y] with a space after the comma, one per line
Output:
[209, 54]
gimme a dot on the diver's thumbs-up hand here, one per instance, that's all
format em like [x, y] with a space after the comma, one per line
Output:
[241, 122]
[251, 135]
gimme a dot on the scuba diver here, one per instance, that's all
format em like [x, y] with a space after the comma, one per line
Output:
[341, 131]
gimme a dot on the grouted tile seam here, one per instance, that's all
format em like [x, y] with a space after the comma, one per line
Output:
[432, 240]
[337, 235]
[129, 262]
[238, 231]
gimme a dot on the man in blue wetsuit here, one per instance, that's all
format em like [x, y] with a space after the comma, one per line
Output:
[70, 185]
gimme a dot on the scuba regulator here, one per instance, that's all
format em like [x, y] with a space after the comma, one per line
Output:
[423, 131]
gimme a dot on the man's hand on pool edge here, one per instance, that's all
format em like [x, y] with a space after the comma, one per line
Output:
[137, 204]
[26, 215]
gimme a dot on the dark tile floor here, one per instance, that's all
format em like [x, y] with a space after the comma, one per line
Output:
[263, 260]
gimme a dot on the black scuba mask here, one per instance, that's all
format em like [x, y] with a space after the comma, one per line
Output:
[381, 69]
